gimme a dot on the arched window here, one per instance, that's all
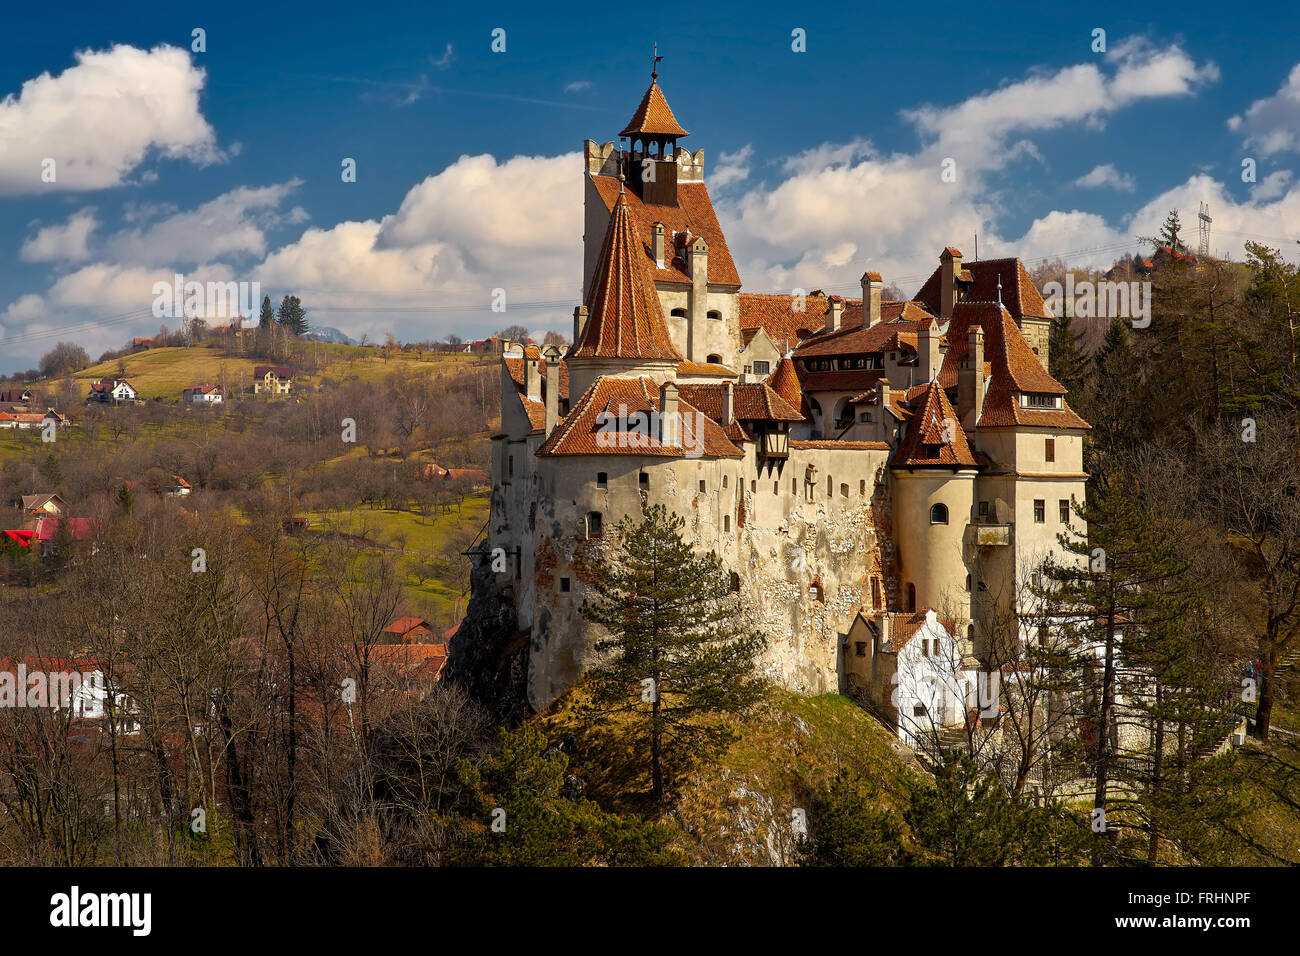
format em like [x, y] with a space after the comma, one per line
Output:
[911, 597]
[939, 514]
[714, 360]
[679, 313]
[714, 314]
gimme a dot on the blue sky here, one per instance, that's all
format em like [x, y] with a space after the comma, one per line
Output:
[225, 163]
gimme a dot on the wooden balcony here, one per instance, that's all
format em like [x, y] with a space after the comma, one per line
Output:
[776, 445]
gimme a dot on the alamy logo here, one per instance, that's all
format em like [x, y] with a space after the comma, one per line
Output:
[57, 689]
[179, 299]
[75, 908]
[1105, 300]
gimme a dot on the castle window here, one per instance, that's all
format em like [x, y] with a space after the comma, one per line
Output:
[968, 582]
[984, 509]
[925, 647]
[911, 597]
[866, 417]
[724, 481]
[860, 648]
[714, 359]
[678, 313]
[701, 486]
[1064, 505]
[939, 514]
[794, 486]
[862, 488]
[918, 710]
[564, 585]
[593, 524]
[875, 592]
[830, 486]
[844, 489]
[1049, 449]
[644, 481]
[602, 479]
[714, 314]
[1040, 510]
[726, 524]
[761, 368]
[753, 487]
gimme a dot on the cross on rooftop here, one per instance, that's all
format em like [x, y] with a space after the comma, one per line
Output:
[654, 63]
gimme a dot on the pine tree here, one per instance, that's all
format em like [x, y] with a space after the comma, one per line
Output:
[292, 315]
[268, 313]
[848, 828]
[1065, 358]
[680, 656]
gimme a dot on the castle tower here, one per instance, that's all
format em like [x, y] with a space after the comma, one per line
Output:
[623, 332]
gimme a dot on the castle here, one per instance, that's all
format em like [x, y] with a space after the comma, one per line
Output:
[878, 477]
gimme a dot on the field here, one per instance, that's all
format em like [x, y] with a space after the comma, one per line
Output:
[165, 373]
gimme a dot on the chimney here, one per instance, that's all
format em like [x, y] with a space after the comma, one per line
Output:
[728, 403]
[927, 353]
[949, 270]
[970, 379]
[579, 323]
[657, 244]
[882, 398]
[872, 285]
[834, 313]
[552, 387]
[669, 419]
[532, 377]
[697, 261]
[884, 632]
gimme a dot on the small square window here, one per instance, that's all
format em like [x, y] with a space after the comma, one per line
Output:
[860, 648]
[761, 368]
[1040, 510]
[701, 486]
[602, 479]
[644, 481]
[984, 509]
[564, 585]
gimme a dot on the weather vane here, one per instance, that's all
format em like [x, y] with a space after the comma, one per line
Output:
[654, 63]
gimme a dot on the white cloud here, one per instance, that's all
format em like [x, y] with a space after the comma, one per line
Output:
[1106, 176]
[732, 168]
[445, 61]
[100, 119]
[67, 242]
[577, 86]
[1272, 124]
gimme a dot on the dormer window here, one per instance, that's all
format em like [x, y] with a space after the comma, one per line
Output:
[1039, 400]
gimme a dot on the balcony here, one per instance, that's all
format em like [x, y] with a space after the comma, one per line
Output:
[992, 535]
[776, 445]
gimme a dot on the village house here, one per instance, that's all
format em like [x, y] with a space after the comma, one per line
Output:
[115, 390]
[34, 506]
[878, 477]
[203, 395]
[409, 630]
[272, 379]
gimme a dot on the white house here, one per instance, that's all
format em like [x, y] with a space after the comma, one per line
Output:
[112, 390]
[204, 395]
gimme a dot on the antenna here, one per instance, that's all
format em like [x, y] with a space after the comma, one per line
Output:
[977, 245]
[1203, 249]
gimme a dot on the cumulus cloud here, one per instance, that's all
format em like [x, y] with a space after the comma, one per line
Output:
[67, 242]
[1272, 124]
[100, 119]
[731, 168]
[1106, 176]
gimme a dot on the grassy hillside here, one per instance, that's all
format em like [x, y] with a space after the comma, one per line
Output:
[738, 809]
[164, 373]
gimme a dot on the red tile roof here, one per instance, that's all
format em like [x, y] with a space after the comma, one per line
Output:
[1019, 294]
[753, 401]
[624, 317]
[899, 325]
[653, 117]
[924, 446]
[905, 626]
[281, 371]
[693, 213]
[775, 314]
[577, 433]
[705, 368]
[404, 624]
[830, 444]
[1013, 368]
[515, 366]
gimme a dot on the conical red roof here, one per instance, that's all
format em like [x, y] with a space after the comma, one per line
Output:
[935, 437]
[624, 318]
[653, 117]
[785, 382]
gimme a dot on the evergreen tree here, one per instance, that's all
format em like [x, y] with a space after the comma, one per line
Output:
[680, 656]
[966, 818]
[268, 313]
[540, 817]
[1065, 358]
[1171, 232]
[292, 315]
[848, 828]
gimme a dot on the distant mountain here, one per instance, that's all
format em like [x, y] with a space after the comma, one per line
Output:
[323, 333]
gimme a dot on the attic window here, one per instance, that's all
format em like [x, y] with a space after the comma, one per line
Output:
[1039, 400]
[761, 368]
